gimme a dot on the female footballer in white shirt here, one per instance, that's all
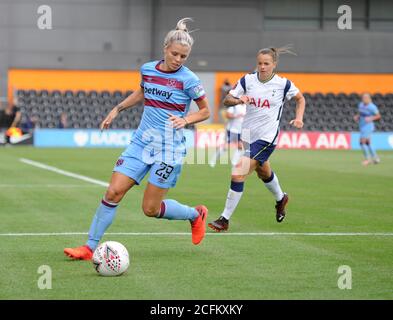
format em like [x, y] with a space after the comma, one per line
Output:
[264, 94]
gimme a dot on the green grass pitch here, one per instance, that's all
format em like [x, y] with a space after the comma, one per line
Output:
[330, 192]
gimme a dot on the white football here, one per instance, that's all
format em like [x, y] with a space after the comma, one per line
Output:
[111, 259]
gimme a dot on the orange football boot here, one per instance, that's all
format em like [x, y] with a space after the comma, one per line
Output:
[79, 253]
[198, 226]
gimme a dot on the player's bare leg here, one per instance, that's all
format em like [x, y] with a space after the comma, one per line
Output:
[154, 205]
[152, 200]
[118, 187]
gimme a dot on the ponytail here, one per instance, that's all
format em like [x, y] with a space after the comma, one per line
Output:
[180, 35]
[275, 52]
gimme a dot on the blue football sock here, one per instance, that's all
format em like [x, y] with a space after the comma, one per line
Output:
[102, 220]
[365, 151]
[372, 151]
[173, 210]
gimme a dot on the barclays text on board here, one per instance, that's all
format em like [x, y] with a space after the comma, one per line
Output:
[94, 138]
[82, 138]
[90, 138]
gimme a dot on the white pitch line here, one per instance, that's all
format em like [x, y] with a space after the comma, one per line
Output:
[24, 186]
[105, 184]
[63, 172]
[318, 234]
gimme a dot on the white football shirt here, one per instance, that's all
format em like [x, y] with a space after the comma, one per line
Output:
[264, 110]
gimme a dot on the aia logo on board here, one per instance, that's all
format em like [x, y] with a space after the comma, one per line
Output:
[119, 162]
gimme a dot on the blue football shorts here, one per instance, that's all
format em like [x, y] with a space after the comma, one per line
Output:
[259, 150]
[135, 162]
[365, 133]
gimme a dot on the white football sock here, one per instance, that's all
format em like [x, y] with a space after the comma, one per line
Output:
[274, 187]
[233, 199]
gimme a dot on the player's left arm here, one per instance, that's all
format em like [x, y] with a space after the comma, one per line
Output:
[300, 107]
[202, 114]
[373, 118]
[133, 99]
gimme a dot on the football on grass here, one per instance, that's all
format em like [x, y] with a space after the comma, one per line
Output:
[111, 259]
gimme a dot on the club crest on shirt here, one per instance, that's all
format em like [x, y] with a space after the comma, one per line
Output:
[172, 83]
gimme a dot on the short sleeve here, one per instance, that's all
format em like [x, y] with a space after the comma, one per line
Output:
[142, 84]
[195, 90]
[239, 89]
[293, 91]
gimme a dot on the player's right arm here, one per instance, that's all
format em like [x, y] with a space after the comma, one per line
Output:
[356, 117]
[133, 99]
[230, 100]
[237, 94]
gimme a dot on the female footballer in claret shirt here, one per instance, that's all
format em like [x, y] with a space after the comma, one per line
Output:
[158, 145]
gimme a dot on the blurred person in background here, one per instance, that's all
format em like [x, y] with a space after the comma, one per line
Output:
[235, 115]
[29, 124]
[10, 119]
[63, 122]
[367, 113]
[224, 90]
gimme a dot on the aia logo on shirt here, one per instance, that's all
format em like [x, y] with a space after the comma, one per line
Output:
[260, 103]
[119, 162]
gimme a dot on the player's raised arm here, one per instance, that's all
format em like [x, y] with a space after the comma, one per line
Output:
[132, 100]
[300, 107]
